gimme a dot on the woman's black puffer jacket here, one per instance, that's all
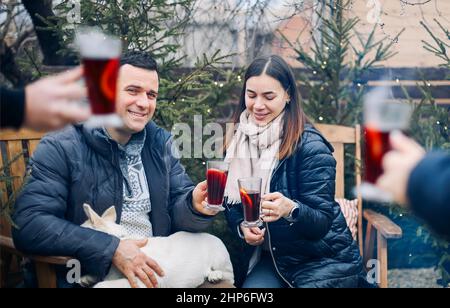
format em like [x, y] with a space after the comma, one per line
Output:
[317, 250]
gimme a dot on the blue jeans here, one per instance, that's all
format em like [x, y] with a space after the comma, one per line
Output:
[264, 275]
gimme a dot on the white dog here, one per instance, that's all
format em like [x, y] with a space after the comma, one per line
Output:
[187, 259]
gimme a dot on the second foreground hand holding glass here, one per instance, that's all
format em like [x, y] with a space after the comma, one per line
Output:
[380, 119]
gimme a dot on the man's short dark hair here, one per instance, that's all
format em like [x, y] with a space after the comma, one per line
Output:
[139, 59]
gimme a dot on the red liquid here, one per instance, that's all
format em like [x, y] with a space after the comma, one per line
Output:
[376, 145]
[101, 80]
[216, 180]
[251, 202]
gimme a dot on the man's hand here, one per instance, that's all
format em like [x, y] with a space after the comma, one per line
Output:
[199, 199]
[134, 264]
[253, 236]
[398, 165]
[275, 206]
[51, 102]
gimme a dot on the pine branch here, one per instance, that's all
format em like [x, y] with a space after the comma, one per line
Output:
[441, 49]
[201, 67]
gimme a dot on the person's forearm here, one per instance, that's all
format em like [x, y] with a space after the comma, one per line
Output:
[12, 107]
[39, 234]
[186, 218]
[429, 191]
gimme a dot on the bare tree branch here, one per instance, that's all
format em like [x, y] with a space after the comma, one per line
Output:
[9, 18]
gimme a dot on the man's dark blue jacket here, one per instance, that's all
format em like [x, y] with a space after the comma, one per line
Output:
[77, 166]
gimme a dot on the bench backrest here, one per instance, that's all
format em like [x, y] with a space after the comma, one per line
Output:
[339, 136]
[17, 146]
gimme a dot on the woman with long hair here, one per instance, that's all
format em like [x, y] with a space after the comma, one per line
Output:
[305, 241]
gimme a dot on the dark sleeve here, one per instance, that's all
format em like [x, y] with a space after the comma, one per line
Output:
[40, 216]
[184, 216]
[234, 216]
[429, 191]
[316, 190]
[12, 107]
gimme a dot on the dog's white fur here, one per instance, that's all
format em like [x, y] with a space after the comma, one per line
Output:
[187, 259]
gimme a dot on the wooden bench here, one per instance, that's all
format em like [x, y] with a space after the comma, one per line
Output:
[20, 146]
[379, 228]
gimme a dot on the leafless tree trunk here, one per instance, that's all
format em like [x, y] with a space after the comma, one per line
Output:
[8, 65]
[50, 42]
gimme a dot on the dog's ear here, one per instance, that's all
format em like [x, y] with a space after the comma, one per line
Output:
[94, 219]
[110, 214]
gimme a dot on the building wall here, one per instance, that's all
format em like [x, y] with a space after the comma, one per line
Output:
[297, 31]
[394, 18]
[397, 16]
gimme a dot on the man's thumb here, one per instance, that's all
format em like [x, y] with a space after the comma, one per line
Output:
[141, 243]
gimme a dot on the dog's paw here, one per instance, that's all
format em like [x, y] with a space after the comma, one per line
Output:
[215, 276]
[88, 281]
[113, 284]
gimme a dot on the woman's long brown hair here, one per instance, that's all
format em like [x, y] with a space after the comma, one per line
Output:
[294, 120]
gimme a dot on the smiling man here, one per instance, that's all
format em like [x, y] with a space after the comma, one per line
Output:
[131, 167]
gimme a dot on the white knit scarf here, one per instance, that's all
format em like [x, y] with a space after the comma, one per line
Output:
[253, 152]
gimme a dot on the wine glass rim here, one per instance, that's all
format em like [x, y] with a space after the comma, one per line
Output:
[218, 162]
[250, 178]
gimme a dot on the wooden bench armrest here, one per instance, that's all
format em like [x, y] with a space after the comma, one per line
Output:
[386, 227]
[7, 244]
[50, 260]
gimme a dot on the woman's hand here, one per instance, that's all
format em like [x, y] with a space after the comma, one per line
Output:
[253, 236]
[275, 206]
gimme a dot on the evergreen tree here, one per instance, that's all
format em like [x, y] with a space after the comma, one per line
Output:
[431, 122]
[334, 84]
[431, 127]
[156, 27]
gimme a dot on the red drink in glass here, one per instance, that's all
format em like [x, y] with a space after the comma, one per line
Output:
[101, 80]
[250, 191]
[251, 201]
[216, 178]
[376, 145]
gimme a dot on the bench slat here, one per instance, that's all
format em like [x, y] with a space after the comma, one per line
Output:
[7, 244]
[383, 225]
[337, 133]
[12, 135]
[339, 157]
[32, 145]
[3, 192]
[14, 148]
